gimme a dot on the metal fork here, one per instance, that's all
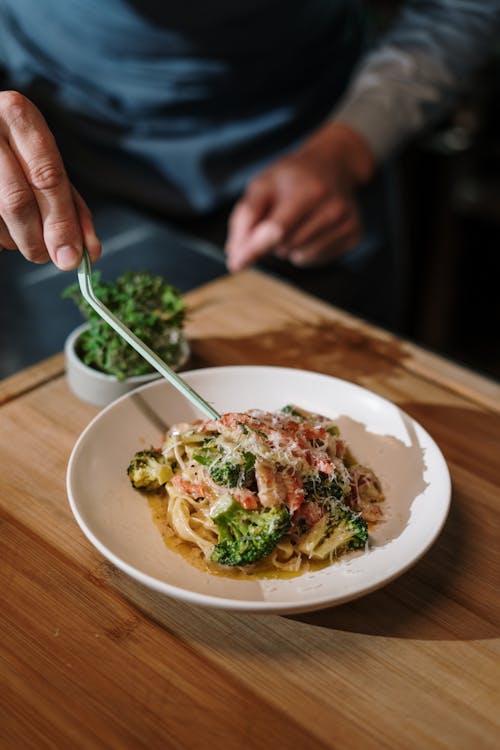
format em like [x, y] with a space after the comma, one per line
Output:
[85, 282]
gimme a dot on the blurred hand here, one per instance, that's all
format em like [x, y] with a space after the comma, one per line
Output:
[41, 213]
[303, 208]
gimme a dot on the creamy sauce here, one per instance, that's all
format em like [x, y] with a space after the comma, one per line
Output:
[194, 556]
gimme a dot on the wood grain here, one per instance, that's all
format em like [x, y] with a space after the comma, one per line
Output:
[30, 378]
[89, 658]
[247, 320]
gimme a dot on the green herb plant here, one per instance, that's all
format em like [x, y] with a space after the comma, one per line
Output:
[151, 308]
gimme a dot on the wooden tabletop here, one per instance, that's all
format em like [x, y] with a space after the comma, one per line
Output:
[91, 659]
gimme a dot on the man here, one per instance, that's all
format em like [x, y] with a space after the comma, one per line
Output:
[267, 108]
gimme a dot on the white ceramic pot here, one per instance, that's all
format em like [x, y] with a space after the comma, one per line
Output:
[96, 387]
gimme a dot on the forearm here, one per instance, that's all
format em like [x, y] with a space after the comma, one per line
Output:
[417, 69]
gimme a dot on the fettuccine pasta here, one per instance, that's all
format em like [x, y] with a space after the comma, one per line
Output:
[259, 494]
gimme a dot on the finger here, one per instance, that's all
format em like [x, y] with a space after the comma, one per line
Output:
[281, 251]
[332, 213]
[90, 239]
[320, 255]
[264, 238]
[19, 209]
[35, 147]
[327, 247]
[267, 235]
[6, 241]
[247, 212]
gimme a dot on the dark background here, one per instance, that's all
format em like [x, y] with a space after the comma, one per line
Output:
[449, 186]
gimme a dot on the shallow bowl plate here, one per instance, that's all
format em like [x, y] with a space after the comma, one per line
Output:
[117, 519]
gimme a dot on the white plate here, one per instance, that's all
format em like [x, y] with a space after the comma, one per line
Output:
[117, 519]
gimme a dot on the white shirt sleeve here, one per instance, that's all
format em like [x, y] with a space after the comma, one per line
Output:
[417, 68]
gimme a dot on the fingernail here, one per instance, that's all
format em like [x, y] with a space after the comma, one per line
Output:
[67, 257]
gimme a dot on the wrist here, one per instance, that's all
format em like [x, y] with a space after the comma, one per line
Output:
[347, 149]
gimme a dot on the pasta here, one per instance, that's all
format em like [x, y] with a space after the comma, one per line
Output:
[259, 494]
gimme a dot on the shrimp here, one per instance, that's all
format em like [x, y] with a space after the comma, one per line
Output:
[271, 487]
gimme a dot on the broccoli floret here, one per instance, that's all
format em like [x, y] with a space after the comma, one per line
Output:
[338, 531]
[238, 472]
[207, 453]
[246, 536]
[333, 430]
[230, 474]
[321, 487]
[225, 474]
[149, 470]
[293, 411]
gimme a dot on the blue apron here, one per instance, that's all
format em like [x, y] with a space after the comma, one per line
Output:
[177, 105]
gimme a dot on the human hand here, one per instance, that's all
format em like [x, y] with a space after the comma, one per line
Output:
[303, 208]
[41, 213]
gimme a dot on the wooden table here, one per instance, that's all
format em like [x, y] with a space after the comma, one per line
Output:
[91, 659]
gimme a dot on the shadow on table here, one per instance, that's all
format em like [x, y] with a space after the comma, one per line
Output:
[452, 593]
